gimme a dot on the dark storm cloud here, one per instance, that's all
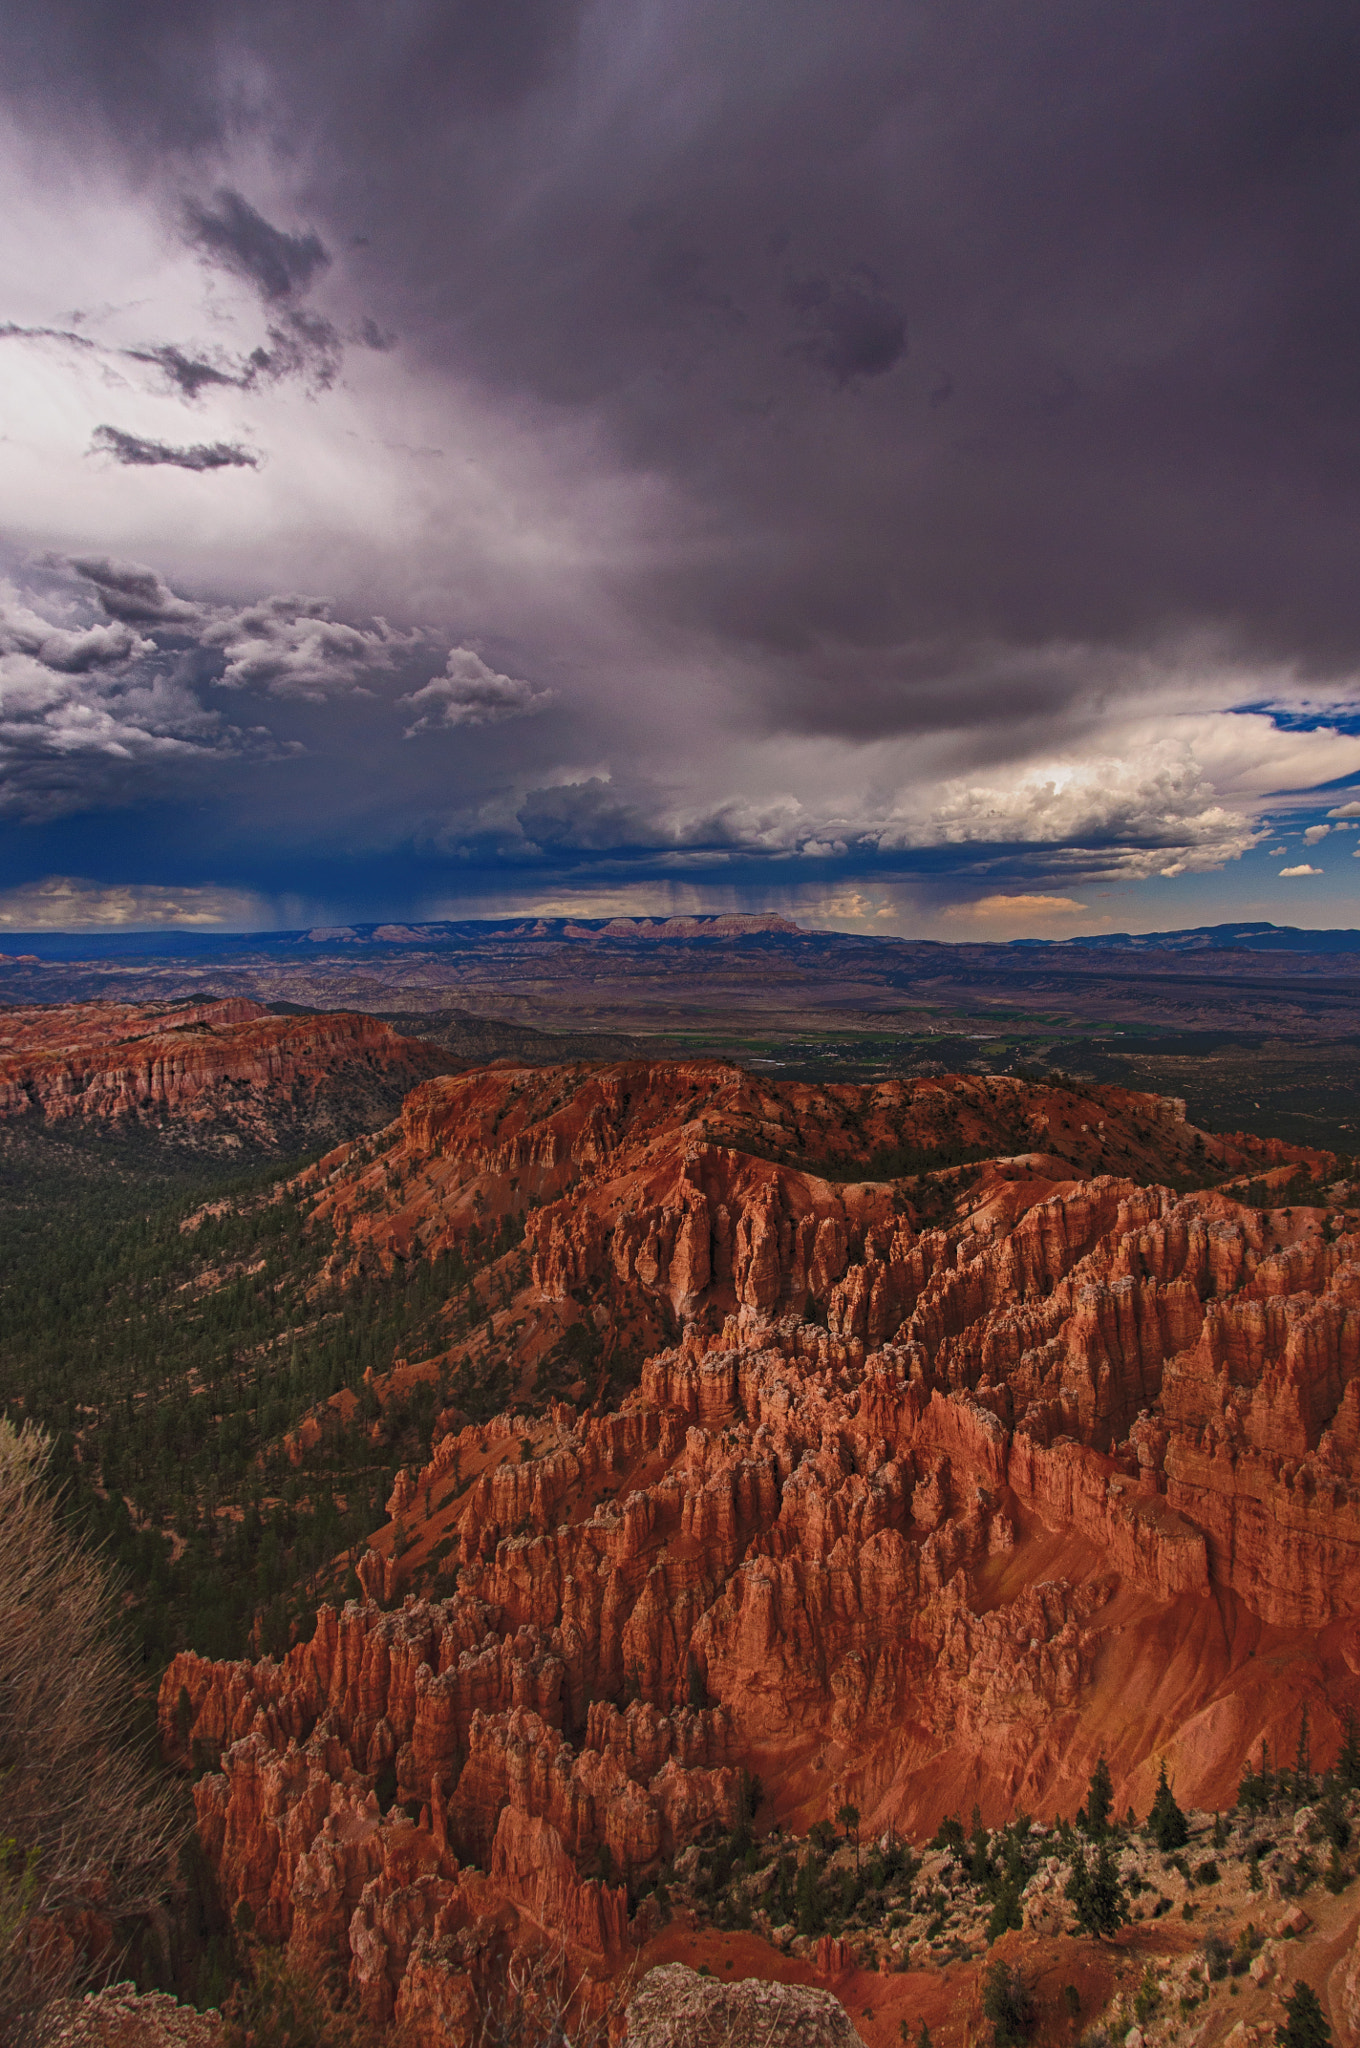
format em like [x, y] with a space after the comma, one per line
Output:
[134, 451]
[1121, 242]
[174, 66]
[10, 330]
[280, 267]
[233, 234]
[585, 817]
[369, 334]
[189, 375]
[133, 593]
[301, 344]
[1126, 238]
[854, 330]
[974, 361]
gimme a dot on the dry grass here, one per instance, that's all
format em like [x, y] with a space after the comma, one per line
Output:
[85, 1827]
[541, 2002]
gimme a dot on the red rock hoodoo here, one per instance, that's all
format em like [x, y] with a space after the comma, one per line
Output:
[931, 1487]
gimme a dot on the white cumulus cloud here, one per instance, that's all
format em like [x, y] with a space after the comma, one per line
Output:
[471, 693]
[296, 647]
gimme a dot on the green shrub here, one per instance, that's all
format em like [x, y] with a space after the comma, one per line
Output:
[1147, 1998]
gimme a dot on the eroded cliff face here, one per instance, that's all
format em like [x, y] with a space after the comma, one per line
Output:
[203, 1070]
[937, 1495]
[656, 1197]
[629, 1167]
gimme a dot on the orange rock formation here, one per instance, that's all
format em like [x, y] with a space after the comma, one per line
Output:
[928, 1500]
[229, 1065]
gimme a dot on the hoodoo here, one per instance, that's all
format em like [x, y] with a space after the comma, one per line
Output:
[927, 1486]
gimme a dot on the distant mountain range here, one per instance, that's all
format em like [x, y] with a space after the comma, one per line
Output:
[765, 927]
[399, 939]
[1217, 938]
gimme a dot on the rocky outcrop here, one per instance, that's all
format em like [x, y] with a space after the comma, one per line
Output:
[1349, 1972]
[944, 1487]
[204, 1070]
[693, 1180]
[121, 2016]
[674, 2007]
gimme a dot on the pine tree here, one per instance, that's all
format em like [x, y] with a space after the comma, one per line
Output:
[1256, 1787]
[979, 1861]
[1099, 1800]
[848, 1816]
[1097, 1894]
[1166, 1823]
[1303, 1762]
[1305, 2023]
[949, 1834]
[1006, 1911]
[1348, 1762]
[1006, 2003]
[1332, 1812]
[808, 1902]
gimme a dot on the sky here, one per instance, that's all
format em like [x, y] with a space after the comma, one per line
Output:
[894, 464]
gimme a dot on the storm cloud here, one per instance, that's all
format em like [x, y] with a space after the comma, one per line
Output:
[889, 435]
[135, 452]
[187, 374]
[471, 693]
[296, 647]
[232, 233]
[133, 593]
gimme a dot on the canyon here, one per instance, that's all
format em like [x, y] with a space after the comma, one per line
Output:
[907, 1445]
